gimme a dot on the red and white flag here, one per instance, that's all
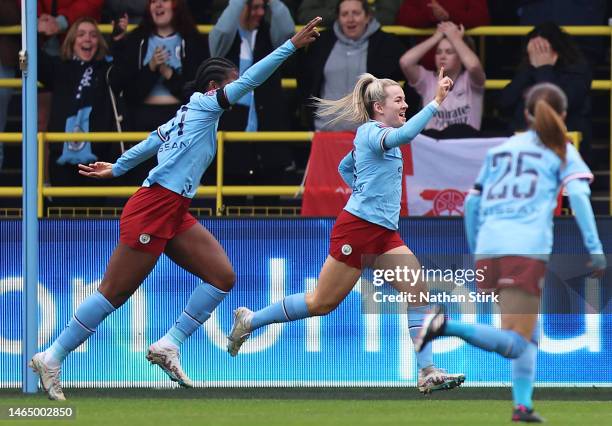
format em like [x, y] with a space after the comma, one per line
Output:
[441, 172]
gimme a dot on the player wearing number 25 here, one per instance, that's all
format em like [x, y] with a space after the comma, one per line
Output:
[509, 226]
[156, 219]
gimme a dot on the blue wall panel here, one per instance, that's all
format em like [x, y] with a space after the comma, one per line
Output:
[272, 258]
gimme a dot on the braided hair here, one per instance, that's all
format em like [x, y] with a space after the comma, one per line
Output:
[212, 69]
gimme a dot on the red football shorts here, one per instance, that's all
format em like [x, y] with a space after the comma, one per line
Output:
[152, 217]
[512, 271]
[352, 237]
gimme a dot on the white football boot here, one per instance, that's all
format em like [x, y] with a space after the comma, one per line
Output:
[241, 330]
[168, 360]
[49, 377]
[433, 379]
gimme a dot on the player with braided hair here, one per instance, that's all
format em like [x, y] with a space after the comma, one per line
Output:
[156, 219]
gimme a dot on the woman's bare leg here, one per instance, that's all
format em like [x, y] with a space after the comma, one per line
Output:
[125, 272]
[336, 280]
[430, 378]
[197, 251]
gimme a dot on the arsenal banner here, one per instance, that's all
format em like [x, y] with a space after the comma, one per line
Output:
[437, 174]
[442, 172]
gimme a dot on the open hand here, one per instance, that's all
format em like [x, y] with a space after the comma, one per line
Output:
[97, 170]
[307, 34]
[445, 84]
[541, 52]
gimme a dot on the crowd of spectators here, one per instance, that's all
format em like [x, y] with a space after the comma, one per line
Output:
[134, 80]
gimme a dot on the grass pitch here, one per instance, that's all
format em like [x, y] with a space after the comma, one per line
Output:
[319, 407]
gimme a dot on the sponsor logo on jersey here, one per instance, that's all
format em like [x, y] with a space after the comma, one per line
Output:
[347, 249]
[144, 238]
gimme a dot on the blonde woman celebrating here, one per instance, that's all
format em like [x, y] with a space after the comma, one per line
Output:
[368, 225]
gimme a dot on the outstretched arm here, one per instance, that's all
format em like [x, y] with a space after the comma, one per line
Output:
[579, 191]
[411, 128]
[130, 158]
[262, 70]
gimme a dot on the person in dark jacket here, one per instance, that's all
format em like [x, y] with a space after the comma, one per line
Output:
[154, 62]
[355, 45]
[81, 80]
[244, 35]
[551, 56]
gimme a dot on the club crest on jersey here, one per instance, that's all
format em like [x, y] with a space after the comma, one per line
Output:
[347, 249]
[144, 238]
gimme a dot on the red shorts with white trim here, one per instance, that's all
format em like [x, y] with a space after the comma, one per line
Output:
[352, 237]
[512, 271]
[152, 217]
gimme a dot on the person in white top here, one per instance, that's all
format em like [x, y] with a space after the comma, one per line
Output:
[464, 103]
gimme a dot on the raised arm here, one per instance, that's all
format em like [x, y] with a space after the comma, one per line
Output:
[409, 62]
[416, 124]
[224, 32]
[468, 58]
[282, 25]
[260, 71]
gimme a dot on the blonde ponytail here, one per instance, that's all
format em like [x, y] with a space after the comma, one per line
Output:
[545, 104]
[357, 106]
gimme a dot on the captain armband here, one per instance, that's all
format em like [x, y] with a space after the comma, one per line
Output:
[222, 99]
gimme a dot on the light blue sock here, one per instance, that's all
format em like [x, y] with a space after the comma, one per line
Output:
[507, 343]
[416, 314]
[86, 319]
[291, 308]
[523, 372]
[202, 302]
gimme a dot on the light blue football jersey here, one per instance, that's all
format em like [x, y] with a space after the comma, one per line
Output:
[520, 181]
[186, 144]
[374, 168]
[377, 184]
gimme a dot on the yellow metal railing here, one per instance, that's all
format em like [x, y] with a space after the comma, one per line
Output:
[218, 191]
[579, 30]
[291, 83]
